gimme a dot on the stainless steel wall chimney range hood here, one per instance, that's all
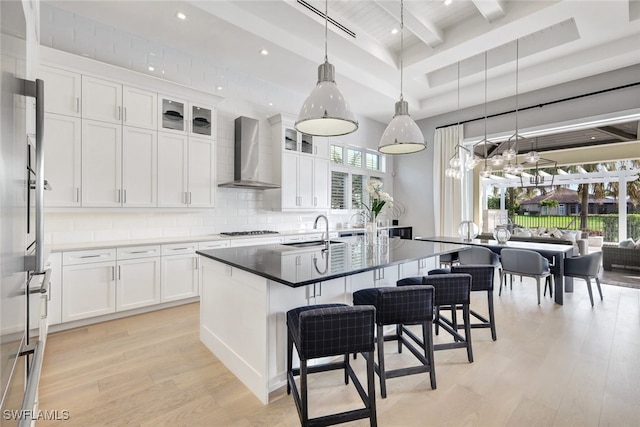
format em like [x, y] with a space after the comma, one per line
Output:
[245, 163]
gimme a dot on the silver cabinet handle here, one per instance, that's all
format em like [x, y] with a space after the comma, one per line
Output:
[179, 249]
[119, 113]
[197, 263]
[189, 197]
[124, 196]
[118, 197]
[125, 114]
[119, 272]
[141, 252]
[113, 273]
[315, 201]
[77, 196]
[77, 105]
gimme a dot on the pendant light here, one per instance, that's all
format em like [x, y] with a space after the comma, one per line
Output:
[325, 112]
[402, 135]
[486, 169]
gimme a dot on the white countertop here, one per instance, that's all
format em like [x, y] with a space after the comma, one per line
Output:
[182, 239]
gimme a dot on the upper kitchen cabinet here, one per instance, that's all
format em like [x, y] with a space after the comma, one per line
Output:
[62, 91]
[290, 140]
[184, 117]
[186, 172]
[62, 168]
[301, 167]
[118, 165]
[113, 102]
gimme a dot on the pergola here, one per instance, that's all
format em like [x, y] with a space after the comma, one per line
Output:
[565, 178]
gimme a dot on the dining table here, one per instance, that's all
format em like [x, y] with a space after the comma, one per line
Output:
[555, 253]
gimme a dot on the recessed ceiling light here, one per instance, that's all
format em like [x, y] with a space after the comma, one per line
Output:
[593, 137]
[219, 88]
[181, 15]
[271, 104]
[447, 2]
[151, 68]
[264, 52]
[394, 31]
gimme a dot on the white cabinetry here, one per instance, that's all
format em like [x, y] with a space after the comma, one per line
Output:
[101, 164]
[117, 173]
[62, 168]
[113, 102]
[180, 276]
[139, 167]
[183, 117]
[186, 172]
[61, 91]
[138, 277]
[89, 284]
[302, 166]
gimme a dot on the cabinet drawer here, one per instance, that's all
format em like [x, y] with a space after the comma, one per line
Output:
[291, 239]
[179, 248]
[214, 244]
[138, 252]
[256, 241]
[89, 256]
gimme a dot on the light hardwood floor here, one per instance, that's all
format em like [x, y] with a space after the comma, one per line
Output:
[552, 365]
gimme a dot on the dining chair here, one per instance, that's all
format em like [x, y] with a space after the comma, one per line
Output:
[527, 263]
[585, 267]
[478, 255]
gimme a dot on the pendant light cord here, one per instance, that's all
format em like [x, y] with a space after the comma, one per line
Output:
[515, 142]
[485, 108]
[326, 25]
[401, 46]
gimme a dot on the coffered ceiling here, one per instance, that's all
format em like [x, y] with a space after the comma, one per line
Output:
[444, 45]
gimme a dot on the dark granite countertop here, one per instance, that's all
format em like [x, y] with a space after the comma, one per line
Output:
[295, 267]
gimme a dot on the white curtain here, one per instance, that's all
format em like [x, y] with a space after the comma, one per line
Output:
[447, 191]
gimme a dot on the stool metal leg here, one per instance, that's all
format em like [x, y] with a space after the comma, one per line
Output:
[304, 393]
[467, 331]
[346, 368]
[492, 318]
[428, 351]
[289, 360]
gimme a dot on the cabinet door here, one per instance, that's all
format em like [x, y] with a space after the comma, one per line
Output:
[289, 184]
[101, 164]
[138, 283]
[61, 91]
[63, 166]
[201, 120]
[179, 277]
[290, 142]
[201, 171]
[321, 183]
[101, 100]
[305, 181]
[321, 147]
[172, 170]
[139, 167]
[172, 114]
[88, 290]
[54, 315]
[140, 108]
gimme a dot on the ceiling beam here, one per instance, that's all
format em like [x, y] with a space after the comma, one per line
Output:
[490, 9]
[618, 133]
[423, 28]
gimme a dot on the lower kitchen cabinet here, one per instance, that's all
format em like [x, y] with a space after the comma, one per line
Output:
[88, 290]
[180, 272]
[138, 283]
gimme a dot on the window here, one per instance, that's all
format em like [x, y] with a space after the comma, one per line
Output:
[337, 155]
[354, 157]
[339, 190]
[372, 161]
[357, 191]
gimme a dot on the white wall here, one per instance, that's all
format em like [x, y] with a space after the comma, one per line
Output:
[413, 180]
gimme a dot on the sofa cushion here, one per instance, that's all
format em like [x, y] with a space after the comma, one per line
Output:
[627, 243]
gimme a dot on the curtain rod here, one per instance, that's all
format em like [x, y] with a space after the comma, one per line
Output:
[571, 98]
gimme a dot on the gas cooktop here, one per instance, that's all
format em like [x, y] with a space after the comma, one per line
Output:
[248, 233]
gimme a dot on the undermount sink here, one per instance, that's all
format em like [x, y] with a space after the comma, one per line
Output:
[310, 244]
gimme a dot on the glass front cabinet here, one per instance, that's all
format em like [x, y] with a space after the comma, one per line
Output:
[181, 116]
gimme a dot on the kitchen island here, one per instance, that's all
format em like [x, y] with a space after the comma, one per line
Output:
[247, 291]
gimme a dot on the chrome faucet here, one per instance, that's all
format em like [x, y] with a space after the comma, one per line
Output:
[325, 234]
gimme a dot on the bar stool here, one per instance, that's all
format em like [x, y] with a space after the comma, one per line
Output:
[331, 330]
[482, 280]
[409, 305]
[450, 290]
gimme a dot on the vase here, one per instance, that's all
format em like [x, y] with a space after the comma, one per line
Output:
[502, 234]
[371, 233]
